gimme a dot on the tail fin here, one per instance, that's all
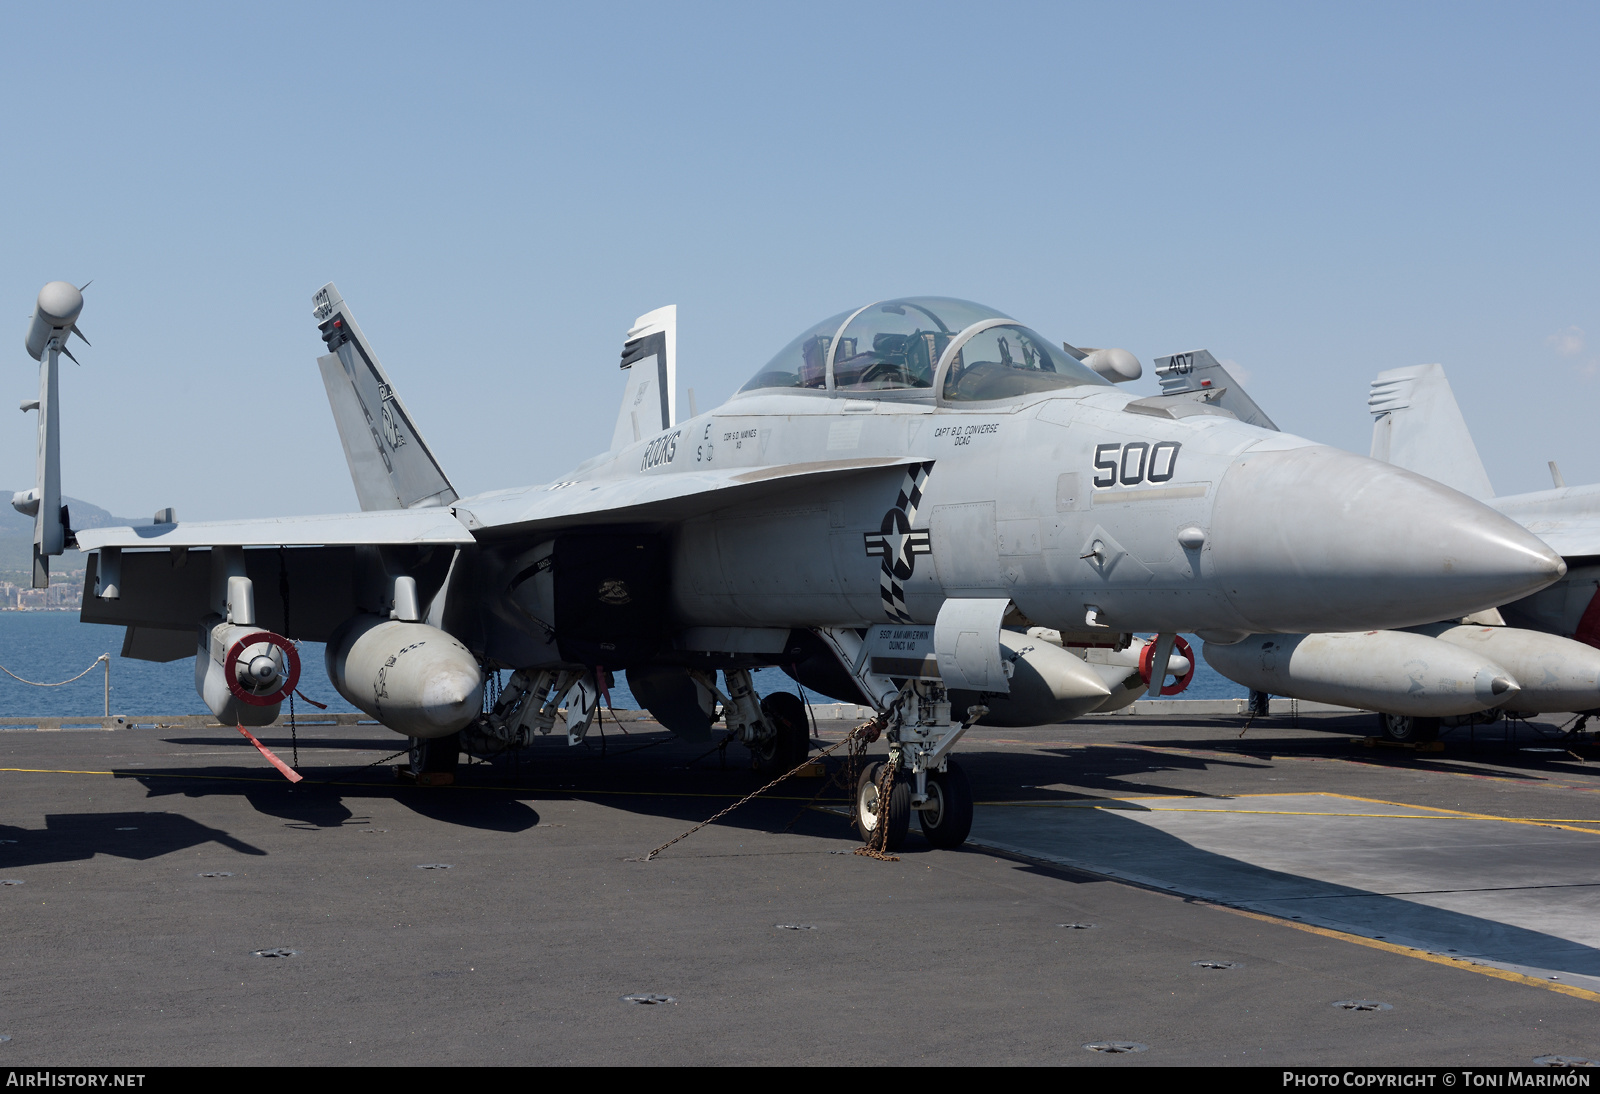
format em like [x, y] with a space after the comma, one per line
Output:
[1418, 426]
[650, 358]
[389, 461]
[1182, 373]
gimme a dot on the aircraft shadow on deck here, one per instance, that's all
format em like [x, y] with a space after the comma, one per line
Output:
[75, 837]
[496, 797]
[315, 804]
[1110, 844]
[651, 774]
[1081, 769]
[647, 774]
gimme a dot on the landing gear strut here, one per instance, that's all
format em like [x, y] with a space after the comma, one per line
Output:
[774, 729]
[921, 732]
[531, 704]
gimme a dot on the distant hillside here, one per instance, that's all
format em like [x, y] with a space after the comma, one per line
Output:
[16, 531]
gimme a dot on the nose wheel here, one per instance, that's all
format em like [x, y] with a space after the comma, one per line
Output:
[946, 817]
[896, 819]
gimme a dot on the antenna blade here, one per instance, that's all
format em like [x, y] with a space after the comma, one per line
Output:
[79, 333]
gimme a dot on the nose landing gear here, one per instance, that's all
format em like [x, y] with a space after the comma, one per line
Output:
[945, 813]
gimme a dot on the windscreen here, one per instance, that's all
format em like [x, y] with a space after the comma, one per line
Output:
[802, 362]
[1006, 361]
[897, 343]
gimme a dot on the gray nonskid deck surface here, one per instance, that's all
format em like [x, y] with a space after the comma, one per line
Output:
[118, 951]
[1517, 896]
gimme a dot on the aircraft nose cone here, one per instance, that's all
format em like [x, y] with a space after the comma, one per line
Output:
[1315, 539]
[450, 693]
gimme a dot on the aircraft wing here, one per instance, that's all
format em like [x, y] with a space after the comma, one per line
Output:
[533, 509]
[649, 498]
[1567, 519]
[383, 527]
[162, 593]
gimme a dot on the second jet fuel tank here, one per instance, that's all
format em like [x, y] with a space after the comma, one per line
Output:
[1392, 671]
[1556, 674]
[1439, 670]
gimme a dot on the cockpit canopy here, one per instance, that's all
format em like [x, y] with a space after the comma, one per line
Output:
[969, 352]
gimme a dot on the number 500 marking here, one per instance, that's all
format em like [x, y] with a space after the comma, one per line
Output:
[1135, 462]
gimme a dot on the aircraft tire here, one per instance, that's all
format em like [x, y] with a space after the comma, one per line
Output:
[435, 756]
[791, 742]
[1408, 729]
[898, 819]
[948, 825]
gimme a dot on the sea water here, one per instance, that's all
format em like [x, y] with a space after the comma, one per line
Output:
[49, 647]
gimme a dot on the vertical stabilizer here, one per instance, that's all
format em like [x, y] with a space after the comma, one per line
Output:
[650, 358]
[1198, 370]
[1418, 426]
[389, 462]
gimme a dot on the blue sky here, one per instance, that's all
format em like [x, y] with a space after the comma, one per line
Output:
[1314, 192]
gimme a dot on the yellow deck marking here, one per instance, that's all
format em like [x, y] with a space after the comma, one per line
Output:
[1465, 964]
[52, 771]
[529, 791]
[1567, 824]
[1538, 781]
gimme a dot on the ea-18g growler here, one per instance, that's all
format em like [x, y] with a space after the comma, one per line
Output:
[921, 504]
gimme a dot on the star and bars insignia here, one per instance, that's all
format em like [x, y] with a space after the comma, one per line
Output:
[896, 544]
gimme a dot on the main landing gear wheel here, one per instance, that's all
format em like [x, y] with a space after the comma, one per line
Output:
[1408, 729]
[897, 819]
[947, 818]
[790, 742]
[432, 757]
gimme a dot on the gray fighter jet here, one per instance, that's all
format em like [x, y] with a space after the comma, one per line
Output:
[1418, 425]
[920, 503]
[1468, 668]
